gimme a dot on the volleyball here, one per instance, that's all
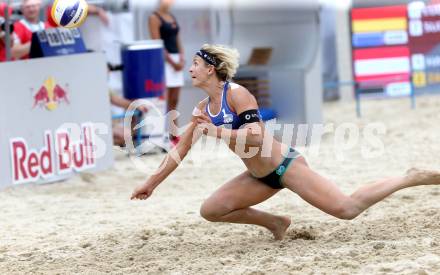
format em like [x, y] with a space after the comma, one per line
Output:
[69, 13]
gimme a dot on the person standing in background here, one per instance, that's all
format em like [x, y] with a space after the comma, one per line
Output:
[163, 25]
[24, 28]
[3, 29]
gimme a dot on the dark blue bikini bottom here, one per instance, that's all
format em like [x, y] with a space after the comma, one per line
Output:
[273, 180]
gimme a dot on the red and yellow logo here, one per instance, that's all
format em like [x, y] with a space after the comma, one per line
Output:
[50, 95]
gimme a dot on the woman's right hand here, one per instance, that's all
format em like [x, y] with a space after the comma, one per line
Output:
[142, 192]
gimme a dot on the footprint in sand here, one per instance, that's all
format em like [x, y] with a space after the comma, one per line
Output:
[295, 234]
[87, 177]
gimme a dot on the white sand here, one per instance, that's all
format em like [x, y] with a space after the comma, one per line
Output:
[89, 225]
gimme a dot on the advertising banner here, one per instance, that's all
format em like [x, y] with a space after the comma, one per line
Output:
[396, 48]
[55, 118]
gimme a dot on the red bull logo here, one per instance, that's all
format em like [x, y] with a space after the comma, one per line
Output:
[50, 95]
[154, 87]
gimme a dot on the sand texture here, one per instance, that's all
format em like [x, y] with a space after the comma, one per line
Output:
[89, 225]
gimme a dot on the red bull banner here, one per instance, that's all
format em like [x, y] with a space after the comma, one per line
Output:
[59, 155]
[55, 119]
[395, 48]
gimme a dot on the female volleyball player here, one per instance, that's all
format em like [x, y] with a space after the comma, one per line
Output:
[273, 167]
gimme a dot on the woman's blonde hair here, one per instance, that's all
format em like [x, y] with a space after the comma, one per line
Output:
[227, 60]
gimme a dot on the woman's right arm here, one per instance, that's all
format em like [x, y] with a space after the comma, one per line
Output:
[171, 161]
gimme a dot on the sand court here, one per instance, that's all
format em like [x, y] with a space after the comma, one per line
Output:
[88, 224]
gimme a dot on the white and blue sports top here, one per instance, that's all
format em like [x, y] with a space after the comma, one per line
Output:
[225, 117]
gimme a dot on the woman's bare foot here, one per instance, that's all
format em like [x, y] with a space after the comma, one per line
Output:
[417, 177]
[280, 227]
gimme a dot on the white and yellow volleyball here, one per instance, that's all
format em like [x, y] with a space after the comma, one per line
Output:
[69, 13]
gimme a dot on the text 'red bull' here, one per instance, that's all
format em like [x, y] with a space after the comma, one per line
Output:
[29, 165]
[152, 87]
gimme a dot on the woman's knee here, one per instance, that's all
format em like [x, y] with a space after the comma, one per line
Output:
[346, 210]
[212, 211]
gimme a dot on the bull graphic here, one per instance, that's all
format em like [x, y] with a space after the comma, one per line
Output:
[50, 95]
